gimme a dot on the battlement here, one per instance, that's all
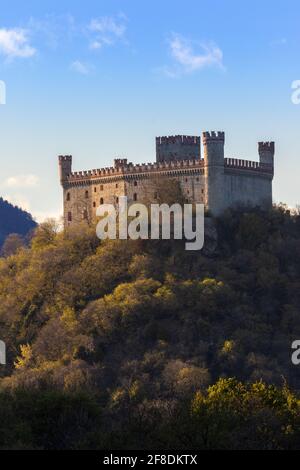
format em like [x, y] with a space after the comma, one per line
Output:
[213, 136]
[239, 164]
[120, 162]
[178, 139]
[266, 147]
[131, 168]
[65, 158]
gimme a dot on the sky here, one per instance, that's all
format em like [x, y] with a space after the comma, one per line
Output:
[100, 79]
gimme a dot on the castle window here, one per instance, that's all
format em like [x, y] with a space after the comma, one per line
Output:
[101, 187]
[85, 214]
[101, 200]
[69, 216]
[117, 185]
[68, 196]
[94, 204]
[135, 183]
[186, 180]
[95, 189]
[135, 197]
[117, 200]
[86, 194]
[197, 179]
[202, 191]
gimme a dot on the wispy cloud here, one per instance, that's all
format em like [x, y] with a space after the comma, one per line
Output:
[189, 56]
[107, 30]
[15, 43]
[21, 181]
[279, 42]
[80, 67]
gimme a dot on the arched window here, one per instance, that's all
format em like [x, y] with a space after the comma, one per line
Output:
[101, 200]
[69, 216]
[68, 196]
[94, 204]
[117, 200]
[86, 194]
[135, 197]
[95, 189]
[117, 185]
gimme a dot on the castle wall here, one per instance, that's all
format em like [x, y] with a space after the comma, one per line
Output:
[247, 190]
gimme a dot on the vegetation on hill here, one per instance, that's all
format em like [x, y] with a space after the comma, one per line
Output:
[14, 220]
[141, 344]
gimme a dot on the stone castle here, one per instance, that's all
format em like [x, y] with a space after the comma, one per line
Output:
[215, 181]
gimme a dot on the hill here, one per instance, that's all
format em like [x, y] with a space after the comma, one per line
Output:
[141, 344]
[14, 220]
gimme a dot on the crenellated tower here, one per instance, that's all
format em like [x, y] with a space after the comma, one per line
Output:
[266, 151]
[65, 167]
[213, 146]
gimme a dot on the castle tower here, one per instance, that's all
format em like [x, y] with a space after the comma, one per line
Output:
[65, 166]
[178, 147]
[266, 151]
[213, 144]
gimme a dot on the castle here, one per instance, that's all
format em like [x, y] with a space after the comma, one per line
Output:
[215, 181]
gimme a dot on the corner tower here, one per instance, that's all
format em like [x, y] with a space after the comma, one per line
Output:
[64, 166]
[213, 145]
[266, 151]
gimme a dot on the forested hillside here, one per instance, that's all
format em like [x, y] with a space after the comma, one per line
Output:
[14, 220]
[141, 344]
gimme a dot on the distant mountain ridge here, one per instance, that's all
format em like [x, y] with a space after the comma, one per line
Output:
[14, 220]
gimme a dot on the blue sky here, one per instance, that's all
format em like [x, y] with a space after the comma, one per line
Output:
[99, 79]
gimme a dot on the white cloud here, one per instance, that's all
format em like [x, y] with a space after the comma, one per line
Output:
[40, 216]
[21, 181]
[190, 56]
[106, 31]
[14, 43]
[80, 67]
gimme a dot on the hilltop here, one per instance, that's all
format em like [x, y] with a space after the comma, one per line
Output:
[141, 344]
[14, 220]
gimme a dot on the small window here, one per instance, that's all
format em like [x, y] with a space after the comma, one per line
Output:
[85, 214]
[94, 204]
[95, 189]
[68, 196]
[117, 185]
[101, 200]
[86, 194]
[202, 191]
[186, 180]
[117, 200]
[135, 183]
[135, 197]
[197, 179]
[101, 187]
[69, 216]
